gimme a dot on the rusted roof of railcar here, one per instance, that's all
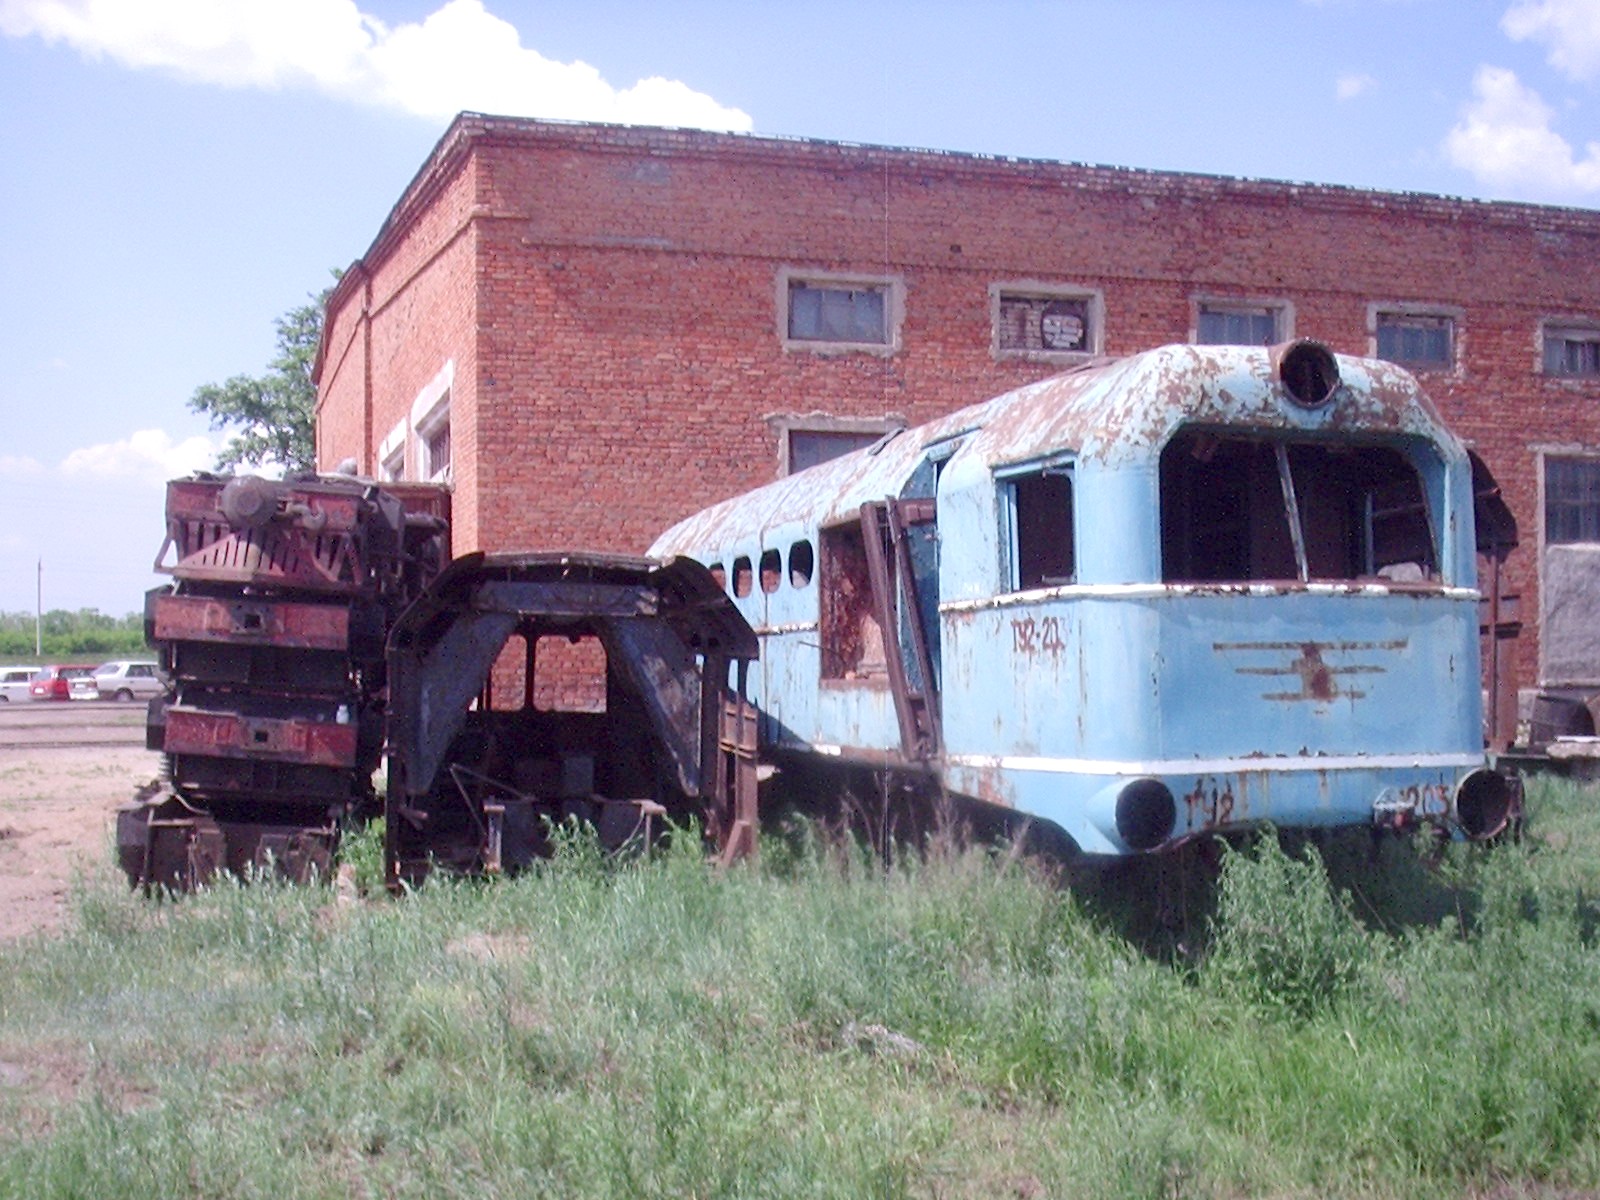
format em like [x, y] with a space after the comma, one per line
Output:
[1111, 411]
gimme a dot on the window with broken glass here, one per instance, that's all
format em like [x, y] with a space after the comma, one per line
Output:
[1240, 510]
[842, 313]
[1043, 552]
[1572, 352]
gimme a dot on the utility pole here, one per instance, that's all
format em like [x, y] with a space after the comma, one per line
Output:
[38, 615]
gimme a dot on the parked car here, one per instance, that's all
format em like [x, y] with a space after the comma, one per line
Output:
[14, 683]
[63, 683]
[126, 679]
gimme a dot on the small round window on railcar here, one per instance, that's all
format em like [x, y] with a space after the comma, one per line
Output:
[802, 564]
[771, 570]
[719, 575]
[741, 575]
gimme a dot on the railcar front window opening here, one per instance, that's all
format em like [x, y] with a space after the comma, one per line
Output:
[741, 576]
[1237, 510]
[1043, 552]
[1237, 324]
[850, 635]
[1423, 340]
[1571, 500]
[802, 564]
[1572, 352]
[569, 674]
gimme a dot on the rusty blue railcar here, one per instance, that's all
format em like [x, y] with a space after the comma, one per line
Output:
[1182, 593]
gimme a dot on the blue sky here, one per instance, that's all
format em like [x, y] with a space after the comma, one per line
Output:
[174, 174]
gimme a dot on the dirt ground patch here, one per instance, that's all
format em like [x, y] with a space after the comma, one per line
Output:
[57, 816]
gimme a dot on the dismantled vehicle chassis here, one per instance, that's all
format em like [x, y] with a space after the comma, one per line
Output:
[528, 689]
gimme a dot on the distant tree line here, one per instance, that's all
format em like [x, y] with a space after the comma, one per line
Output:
[85, 634]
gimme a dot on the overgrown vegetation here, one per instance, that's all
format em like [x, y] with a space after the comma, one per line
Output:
[817, 1026]
[83, 635]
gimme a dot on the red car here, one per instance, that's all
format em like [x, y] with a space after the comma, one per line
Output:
[63, 683]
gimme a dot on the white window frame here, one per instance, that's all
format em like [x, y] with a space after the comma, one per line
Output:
[1417, 308]
[430, 412]
[1036, 289]
[392, 454]
[894, 298]
[1281, 310]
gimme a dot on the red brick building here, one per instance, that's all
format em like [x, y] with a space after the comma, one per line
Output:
[594, 330]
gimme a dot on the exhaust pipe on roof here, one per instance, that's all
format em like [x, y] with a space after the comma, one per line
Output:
[1307, 370]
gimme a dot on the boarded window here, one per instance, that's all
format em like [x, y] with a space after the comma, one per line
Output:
[1235, 510]
[847, 313]
[1236, 325]
[1416, 339]
[1572, 352]
[1043, 553]
[1046, 324]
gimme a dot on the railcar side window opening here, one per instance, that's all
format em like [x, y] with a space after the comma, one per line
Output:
[569, 674]
[851, 638]
[802, 564]
[1235, 510]
[719, 575]
[1218, 324]
[1042, 547]
[1572, 352]
[1425, 340]
[771, 571]
[741, 576]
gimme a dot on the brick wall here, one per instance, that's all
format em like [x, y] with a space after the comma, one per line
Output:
[609, 298]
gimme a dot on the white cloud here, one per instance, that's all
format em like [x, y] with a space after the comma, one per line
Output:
[1505, 139]
[20, 466]
[459, 57]
[147, 456]
[1349, 86]
[1569, 30]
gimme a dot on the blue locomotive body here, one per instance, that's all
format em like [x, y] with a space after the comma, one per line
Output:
[1190, 591]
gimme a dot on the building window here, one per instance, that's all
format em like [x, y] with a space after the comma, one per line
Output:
[1572, 351]
[1044, 321]
[807, 441]
[392, 455]
[1571, 500]
[1425, 340]
[430, 427]
[433, 445]
[839, 312]
[1040, 537]
[1221, 323]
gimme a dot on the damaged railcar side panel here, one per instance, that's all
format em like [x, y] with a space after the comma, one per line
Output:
[1190, 591]
[482, 762]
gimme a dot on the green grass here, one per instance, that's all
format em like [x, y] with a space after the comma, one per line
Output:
[816, 1026]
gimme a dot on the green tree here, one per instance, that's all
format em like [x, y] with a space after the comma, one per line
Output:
[272, 413]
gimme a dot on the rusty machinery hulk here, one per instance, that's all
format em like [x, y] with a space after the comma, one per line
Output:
[273, 636]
